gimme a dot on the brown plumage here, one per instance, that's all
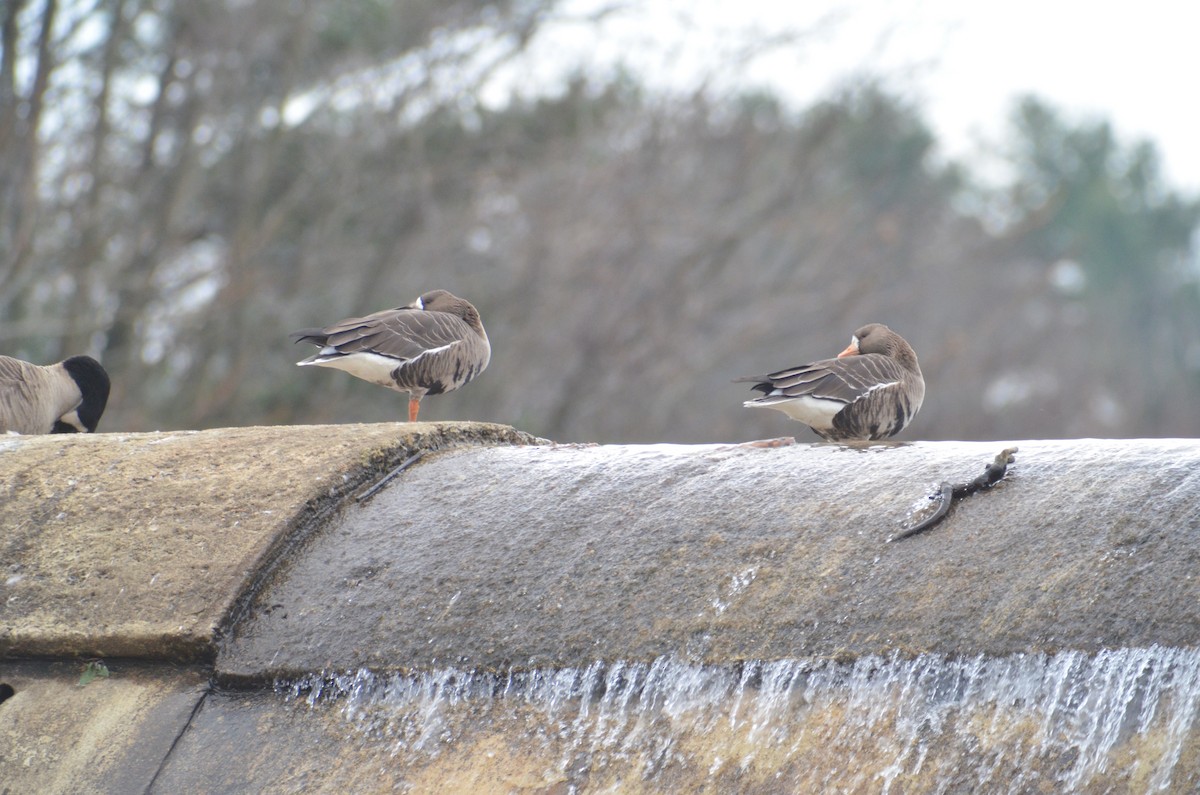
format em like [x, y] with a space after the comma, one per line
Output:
[870, 391]
[68, 397]
[433, 345]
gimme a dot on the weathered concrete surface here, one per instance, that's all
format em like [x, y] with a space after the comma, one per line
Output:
[284, 747]
[109, 736]
[138, 545]
[549, 559]
[558, 556]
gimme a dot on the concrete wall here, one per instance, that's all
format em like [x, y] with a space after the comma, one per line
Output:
[233, 558]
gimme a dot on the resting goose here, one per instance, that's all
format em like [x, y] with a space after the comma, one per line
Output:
[433, 345]
[67, 397]
[870, 391]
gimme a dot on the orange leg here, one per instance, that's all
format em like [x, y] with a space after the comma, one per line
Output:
[413, 407]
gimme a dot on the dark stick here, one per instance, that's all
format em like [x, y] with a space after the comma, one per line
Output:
[948, 492]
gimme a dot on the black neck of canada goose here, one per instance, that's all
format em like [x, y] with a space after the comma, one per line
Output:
[94, 386]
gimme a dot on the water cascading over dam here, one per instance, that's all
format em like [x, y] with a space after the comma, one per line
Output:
[1024, 723]
[717, 618]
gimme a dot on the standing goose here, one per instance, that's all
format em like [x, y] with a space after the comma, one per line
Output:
[68, 397]
[433, 345]
[870, 391]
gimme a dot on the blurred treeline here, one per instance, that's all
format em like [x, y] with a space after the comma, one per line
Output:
[182, 182]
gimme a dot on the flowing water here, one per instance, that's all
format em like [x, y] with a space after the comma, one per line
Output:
[1119, 720]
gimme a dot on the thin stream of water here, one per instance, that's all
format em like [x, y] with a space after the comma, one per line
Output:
[1068, 721]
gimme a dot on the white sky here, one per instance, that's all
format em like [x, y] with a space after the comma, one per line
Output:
[1135, 64]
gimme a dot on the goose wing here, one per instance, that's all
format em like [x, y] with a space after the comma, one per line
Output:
[401, 333]
[845, 380]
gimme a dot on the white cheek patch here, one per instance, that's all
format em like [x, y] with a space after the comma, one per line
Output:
[72, 418]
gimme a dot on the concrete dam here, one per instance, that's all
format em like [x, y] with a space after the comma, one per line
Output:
[462, 607]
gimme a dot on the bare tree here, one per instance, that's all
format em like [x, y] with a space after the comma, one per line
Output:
[183, 183]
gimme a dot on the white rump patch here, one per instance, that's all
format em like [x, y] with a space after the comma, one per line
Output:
[368, 366]
[812, 411]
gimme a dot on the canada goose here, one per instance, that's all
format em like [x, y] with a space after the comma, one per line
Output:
[67, 397]
[870, 391]
[433, 345]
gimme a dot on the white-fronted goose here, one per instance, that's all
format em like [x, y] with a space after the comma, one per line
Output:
[68, 397]
[433, 345]
[870, 391]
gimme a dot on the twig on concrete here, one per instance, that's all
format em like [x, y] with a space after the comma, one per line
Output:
[993, 473]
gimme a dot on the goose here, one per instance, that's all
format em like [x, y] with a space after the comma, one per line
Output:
[67, 397]
[433, 345]
[870, 391]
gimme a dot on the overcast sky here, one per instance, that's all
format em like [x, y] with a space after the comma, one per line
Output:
[1135, 64]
